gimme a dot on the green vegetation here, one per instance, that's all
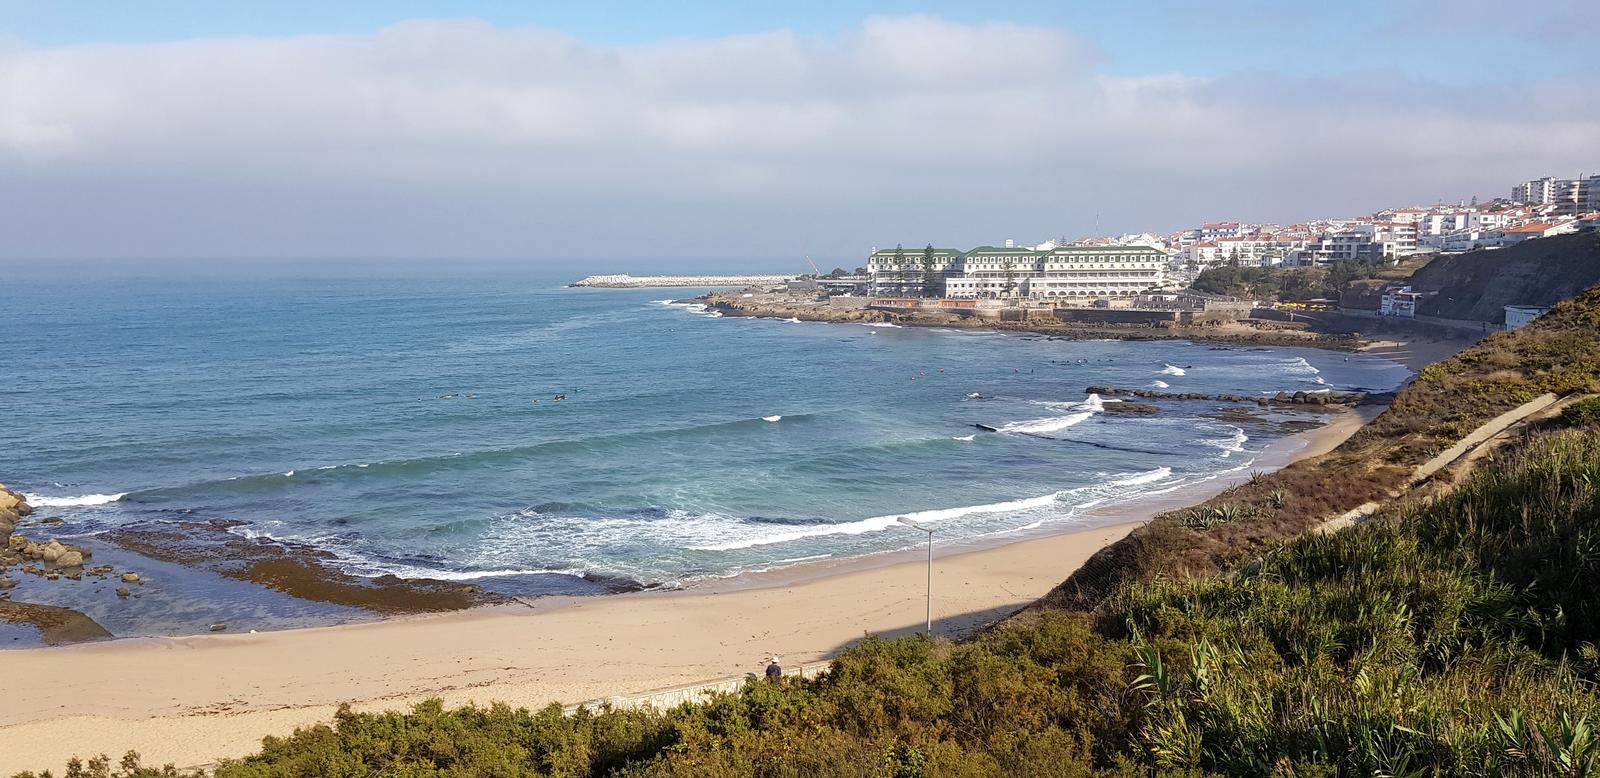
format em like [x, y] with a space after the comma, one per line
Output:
[1582, 413]
[1291, 284]
[930, 279]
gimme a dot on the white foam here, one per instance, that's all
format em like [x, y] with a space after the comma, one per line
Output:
[1160, 384]
[41, 501]
[881, 324]
[772, 418]
[1172, 370]
[1081, 413]
[375, 569]
[1144, 478]
[793, 320]
[881, 523]
[698, 309]
[1232, 444]
[288, 473]
[964, 437]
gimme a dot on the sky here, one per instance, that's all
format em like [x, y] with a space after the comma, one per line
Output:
[631, 132]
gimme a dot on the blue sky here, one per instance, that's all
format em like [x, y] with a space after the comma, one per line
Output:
[1455, 42]
[187, 129]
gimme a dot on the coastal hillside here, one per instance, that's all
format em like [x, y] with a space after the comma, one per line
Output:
[1449, 633]
[1478, 285]
[1559, 354]
[1450, 637]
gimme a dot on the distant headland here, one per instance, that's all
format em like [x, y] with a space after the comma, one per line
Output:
[625, 281]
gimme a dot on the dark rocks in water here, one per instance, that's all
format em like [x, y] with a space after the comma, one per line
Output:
[1298, 398]
[123, 591]
[217, 627]
[1130, 407]
[986, 428]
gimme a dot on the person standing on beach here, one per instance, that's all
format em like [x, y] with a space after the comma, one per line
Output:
[774, 671]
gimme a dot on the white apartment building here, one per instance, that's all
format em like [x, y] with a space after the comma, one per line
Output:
[1569, 195]
[1072, 272]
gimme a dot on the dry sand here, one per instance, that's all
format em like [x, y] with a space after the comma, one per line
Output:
[1418, 353]
[192, 700]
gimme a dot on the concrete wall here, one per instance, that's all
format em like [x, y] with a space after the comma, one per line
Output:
[1114, 316]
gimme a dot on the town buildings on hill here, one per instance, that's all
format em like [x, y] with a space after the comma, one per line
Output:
[1122, 267]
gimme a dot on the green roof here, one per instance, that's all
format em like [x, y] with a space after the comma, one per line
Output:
[1018, 250]
[1102, 249]
[910, 251]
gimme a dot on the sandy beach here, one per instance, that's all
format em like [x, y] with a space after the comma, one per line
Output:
[192, 700]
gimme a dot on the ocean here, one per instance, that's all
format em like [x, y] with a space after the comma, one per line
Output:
[506, 430]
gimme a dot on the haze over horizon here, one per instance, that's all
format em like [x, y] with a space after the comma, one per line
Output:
[627, 135]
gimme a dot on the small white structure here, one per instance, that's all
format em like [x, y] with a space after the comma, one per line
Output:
[1518, 316]
[1401, 302]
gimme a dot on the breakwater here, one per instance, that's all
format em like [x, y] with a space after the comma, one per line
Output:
[1281, 398]
[625, 281]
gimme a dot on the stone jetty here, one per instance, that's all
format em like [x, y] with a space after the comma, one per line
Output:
[1281, 398]
[625, 281]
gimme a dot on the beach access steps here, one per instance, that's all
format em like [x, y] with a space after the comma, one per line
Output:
[671, 697]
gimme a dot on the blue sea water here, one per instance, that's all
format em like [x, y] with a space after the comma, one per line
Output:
[411, 426]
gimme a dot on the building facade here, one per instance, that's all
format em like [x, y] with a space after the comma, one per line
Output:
[1066, 273]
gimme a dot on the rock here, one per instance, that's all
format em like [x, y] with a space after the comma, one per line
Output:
[52, 575]
[218, 627]
[1129, 407]
[130, 577]
[122, 591]
[70, 559]
[17, 543]
[52, 552]
[53, 521]
[7, 583]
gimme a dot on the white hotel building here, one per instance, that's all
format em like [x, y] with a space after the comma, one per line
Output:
[1081, 273]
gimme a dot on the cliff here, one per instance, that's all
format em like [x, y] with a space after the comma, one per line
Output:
[1478, 285]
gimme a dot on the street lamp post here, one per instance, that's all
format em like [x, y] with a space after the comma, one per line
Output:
[929, 531]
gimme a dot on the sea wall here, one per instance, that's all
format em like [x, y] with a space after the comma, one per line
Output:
[625, 281]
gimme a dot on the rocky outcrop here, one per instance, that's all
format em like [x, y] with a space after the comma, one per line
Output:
[51, 560]
[1130, 407]
[1281, 398]
[1478, 285]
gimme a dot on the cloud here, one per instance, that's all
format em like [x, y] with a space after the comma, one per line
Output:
[439, 138]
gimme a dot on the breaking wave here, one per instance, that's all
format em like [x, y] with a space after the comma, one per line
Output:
[41, 501]
[1080, 413]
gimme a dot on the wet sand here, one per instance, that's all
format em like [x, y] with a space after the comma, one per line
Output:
[192, 700]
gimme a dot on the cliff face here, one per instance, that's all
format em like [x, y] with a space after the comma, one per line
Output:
[1478, 285]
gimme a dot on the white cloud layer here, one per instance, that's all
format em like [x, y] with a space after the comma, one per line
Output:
[456, 138]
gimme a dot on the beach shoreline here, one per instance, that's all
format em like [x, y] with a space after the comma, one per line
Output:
[193, 699]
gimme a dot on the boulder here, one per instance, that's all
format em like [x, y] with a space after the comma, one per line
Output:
[7, 583]
[53, 551]
[122, 591]
[70, 559]
[17, 543]
[218, 627]
[1130, 407]
[130, 577]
